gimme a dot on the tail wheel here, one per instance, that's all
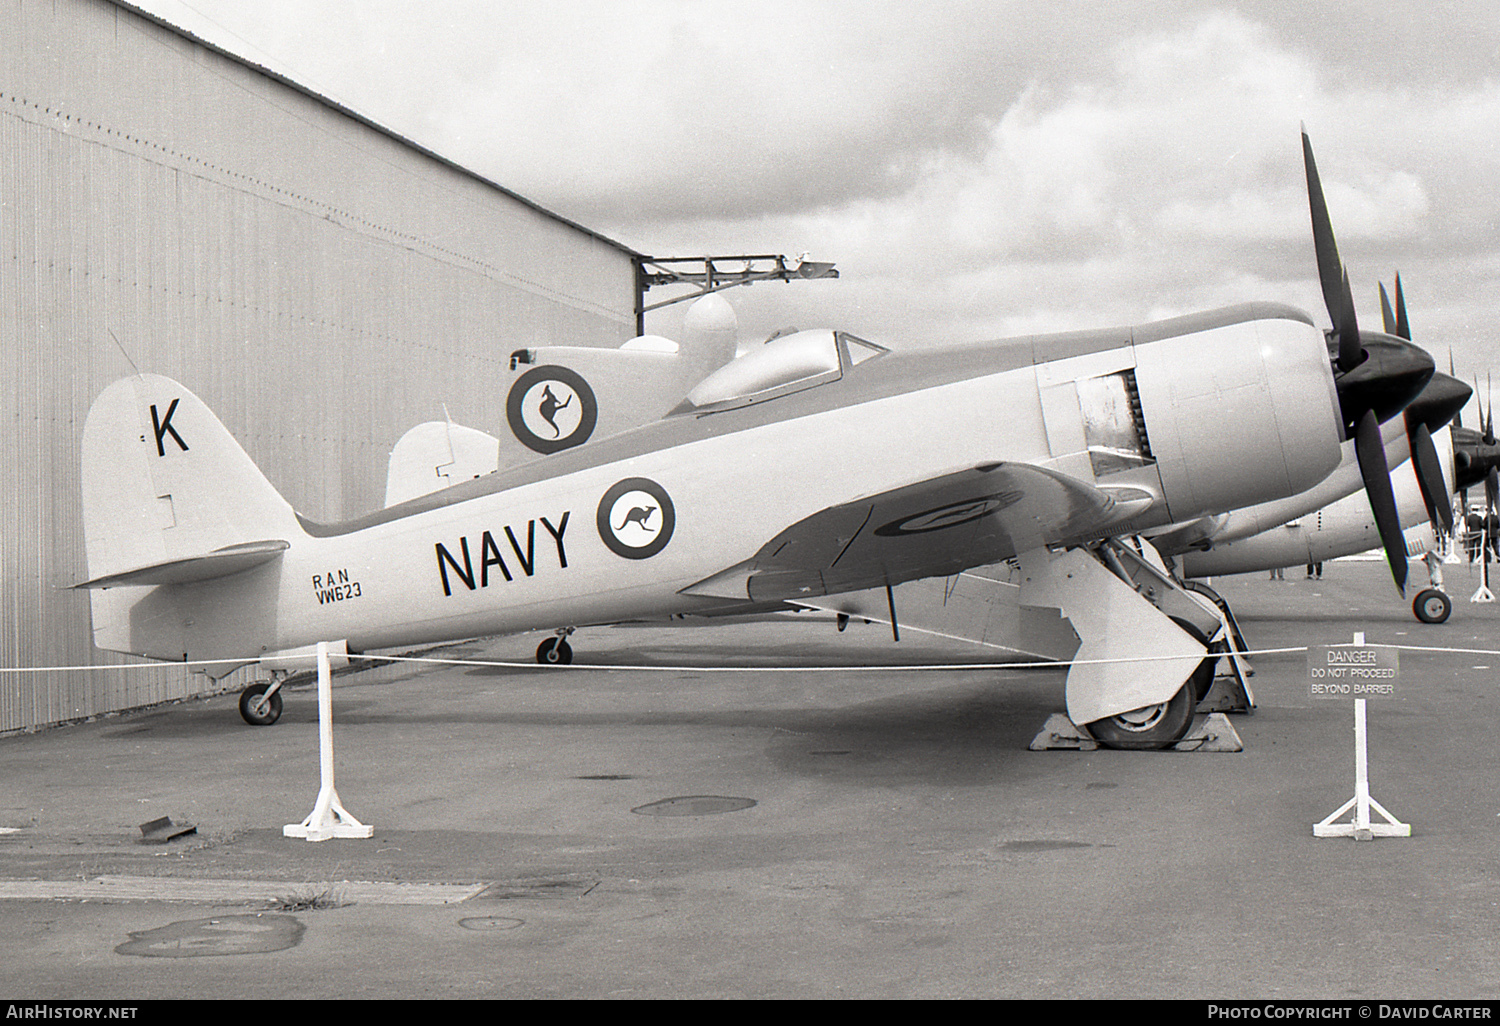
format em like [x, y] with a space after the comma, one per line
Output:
[1432, 606]
[258, 710]
[1154, 726]
[554, 651]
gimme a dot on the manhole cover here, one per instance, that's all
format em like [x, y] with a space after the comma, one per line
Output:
[486, 923]
[695, 805]
[222, 935]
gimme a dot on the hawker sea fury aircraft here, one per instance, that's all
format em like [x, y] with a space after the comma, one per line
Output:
[816, 465]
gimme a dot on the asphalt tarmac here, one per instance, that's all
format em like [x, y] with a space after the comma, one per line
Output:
[692, 832]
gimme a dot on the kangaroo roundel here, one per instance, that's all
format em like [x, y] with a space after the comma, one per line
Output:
[550, 409]
[636, 518]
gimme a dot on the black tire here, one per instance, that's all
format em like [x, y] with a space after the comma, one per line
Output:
[554, 652]
[1202, 679]
[1432, 606]
[1155, 726]
[250, 696]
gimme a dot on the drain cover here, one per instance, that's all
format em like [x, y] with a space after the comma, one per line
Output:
[222, 935]
[695, 805]
[485, 923]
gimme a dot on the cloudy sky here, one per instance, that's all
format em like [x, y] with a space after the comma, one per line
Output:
[975, 169]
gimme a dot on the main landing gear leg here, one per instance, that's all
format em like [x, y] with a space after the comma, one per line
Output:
[1123, 702]
[1230, 691]
[1197, 609]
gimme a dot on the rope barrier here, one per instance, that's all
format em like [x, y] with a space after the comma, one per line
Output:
[893, 667]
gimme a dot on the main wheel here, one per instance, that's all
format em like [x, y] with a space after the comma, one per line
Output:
[554, 651]
[256, 710]
[1432, 606]
[1154, 726]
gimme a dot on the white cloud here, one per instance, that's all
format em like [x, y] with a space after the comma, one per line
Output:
[974, 168]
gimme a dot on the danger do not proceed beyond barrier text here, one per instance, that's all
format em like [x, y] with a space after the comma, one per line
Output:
[1357, 672]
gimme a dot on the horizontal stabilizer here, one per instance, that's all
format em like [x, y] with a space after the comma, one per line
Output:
[220, 563]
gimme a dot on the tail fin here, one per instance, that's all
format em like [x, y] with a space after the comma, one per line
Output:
[168, 494]
[436, 455]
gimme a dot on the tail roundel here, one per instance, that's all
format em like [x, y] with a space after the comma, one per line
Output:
[169, 496]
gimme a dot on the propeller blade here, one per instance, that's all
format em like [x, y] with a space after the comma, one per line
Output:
[1429, 470]
[1387, 318]
[1491, 490]
[1403, 326]
[1479, 406]
[1370, 452]
[1331, 274]
[1458, 419]
[1489, 411]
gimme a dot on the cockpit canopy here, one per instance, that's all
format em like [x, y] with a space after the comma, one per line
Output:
[787, 364]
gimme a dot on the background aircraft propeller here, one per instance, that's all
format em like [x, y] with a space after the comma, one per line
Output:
[1377, 374]
[1476, 457]
[1438, 404]
[1491, 474]
[1489, 410]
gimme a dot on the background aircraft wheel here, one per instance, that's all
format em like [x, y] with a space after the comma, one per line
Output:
[1155, 726]
[1432, 606]
[554, 651]
[254, 711]
[1202, 679]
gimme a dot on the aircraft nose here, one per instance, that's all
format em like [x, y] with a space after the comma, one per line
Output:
[1392, 374]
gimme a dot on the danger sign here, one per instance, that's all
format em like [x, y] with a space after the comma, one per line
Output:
[1352, 672]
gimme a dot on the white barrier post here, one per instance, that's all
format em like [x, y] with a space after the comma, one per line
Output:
[1361, 828]
[329, 818]
[1484, 594]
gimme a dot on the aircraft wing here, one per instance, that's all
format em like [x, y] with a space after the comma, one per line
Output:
[935, 527]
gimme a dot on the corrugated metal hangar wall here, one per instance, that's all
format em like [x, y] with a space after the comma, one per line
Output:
[322, 284]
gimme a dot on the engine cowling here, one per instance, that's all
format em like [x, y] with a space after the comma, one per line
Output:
[1238, 405]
